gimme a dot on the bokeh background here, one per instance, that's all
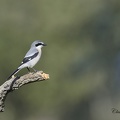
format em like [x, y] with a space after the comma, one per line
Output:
[82, 58]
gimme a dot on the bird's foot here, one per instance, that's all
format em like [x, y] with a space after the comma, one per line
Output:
[35, 70]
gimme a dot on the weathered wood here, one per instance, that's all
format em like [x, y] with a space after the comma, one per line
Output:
[16, 82]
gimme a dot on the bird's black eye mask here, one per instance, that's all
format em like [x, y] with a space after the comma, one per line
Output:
[38, 44]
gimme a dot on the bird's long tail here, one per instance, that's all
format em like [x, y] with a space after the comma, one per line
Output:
[16, 71]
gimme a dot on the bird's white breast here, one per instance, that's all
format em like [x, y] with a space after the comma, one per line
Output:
[32, 62]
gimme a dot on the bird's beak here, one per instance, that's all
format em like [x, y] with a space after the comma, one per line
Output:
[44, 44]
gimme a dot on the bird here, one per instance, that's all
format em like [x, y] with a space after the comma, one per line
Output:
[31, 57]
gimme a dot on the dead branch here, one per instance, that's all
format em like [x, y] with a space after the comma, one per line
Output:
[16, 82]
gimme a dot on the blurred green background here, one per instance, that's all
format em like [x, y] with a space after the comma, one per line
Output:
[82, 58]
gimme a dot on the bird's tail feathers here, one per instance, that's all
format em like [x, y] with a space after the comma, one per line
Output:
[16, 71]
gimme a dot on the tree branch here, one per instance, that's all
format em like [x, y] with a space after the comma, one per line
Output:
[16, 82]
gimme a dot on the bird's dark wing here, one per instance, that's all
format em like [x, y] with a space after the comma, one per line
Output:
[27, 59]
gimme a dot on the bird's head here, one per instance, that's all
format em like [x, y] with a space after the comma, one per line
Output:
[38, 44]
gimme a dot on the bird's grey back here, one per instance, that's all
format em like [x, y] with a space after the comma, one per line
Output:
[33, 49]
[31, 52]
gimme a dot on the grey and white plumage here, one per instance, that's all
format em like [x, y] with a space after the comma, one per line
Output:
[31, 57]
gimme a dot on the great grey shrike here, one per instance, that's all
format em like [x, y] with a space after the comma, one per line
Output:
[31, 57]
